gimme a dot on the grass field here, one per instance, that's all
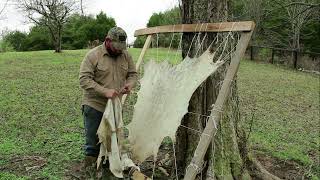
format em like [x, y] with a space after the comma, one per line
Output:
[41, 131]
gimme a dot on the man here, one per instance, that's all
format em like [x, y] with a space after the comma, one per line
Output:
[107, 71]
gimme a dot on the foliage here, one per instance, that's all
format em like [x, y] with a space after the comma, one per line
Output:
[168, 17]
[5, 46]
[17, 39]
[38, 39]
[286, 24]
[311, 36]
[52, 14]
[283, 24]
[171, 16]
[139, 42]
[79, 31]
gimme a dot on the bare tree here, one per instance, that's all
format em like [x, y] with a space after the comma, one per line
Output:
[294, 15]
[51, 13]
[81, 7]
[4, 7]
[297, 15]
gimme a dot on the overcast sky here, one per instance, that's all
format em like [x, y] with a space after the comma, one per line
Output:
[129, 14]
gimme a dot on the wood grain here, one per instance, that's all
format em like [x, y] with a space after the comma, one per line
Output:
[243, 26]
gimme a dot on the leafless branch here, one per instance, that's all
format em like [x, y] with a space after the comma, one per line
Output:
[51, 13]
[4, 7]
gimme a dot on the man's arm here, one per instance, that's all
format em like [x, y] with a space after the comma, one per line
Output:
[86, 76]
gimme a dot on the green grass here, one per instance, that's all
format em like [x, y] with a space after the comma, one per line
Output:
[40, 109]
[8, 176]
[285, 104]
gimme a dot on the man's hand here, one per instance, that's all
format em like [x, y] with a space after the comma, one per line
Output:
[126, 89]
[111, 93]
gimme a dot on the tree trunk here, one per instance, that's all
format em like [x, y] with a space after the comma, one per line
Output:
[227, 156]
[81, 7]
[57, 37]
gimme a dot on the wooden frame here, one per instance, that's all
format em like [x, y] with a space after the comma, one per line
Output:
[245, 28]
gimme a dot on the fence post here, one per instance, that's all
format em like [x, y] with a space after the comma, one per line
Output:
[295, 60]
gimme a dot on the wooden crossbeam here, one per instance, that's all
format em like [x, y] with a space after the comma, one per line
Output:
[243, 26]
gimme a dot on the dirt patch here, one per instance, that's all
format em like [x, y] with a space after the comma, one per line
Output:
[162, 170]
[24, 165]
[74, 171]
[164, 167]
[281, 168]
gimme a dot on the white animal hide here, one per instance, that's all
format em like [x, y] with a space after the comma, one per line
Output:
[108, 133]
[163, 100]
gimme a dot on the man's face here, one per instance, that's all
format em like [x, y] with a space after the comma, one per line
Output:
[110, 47]
[115, 48]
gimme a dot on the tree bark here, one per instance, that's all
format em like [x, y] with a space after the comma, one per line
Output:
[59, 38]
[225, 159]
[228, 157]
[81, 7]
[4, 7]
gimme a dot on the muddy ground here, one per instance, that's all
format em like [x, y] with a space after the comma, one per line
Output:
[29, 165]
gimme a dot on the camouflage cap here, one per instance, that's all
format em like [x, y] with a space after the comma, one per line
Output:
[118, 37]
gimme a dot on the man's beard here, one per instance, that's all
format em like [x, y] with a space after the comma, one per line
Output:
[112, 51]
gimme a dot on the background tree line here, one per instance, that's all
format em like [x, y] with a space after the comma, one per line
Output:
[289, 24]
[80, 31]
[171, 16]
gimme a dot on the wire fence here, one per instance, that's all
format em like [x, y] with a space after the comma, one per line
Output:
[309, 61]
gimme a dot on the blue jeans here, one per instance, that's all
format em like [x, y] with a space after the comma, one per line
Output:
[92, 119]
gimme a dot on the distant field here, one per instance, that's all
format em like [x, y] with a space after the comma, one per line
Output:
[41, 121]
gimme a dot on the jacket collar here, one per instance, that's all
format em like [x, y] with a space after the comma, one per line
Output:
[104, 50]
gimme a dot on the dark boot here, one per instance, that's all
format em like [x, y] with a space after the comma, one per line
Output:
[90, 167]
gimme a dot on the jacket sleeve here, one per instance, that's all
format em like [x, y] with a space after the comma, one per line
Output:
[132, 76]
[86, 76]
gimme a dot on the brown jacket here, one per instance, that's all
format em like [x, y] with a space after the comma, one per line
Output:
[99, 72]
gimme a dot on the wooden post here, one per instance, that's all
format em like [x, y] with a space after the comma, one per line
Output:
[140, 59]
[211, 127]
[143, 52]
